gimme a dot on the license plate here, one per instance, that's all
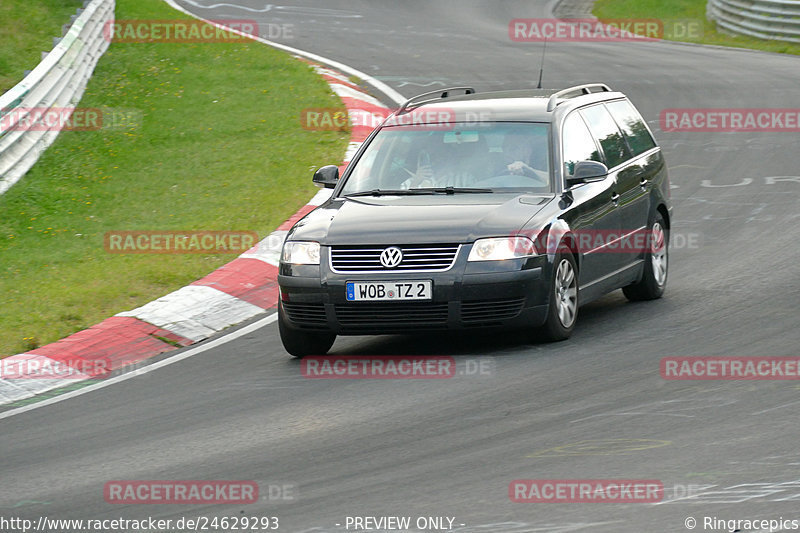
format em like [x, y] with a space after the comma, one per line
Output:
[381, 291]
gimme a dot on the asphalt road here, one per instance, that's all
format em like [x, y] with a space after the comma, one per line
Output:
[593, 407]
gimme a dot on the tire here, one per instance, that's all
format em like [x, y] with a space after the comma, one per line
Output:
[656, 265]
[302, 343]
[562, 311]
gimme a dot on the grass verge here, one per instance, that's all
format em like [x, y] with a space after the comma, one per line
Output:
[216, 144]
[27, 28]
[699, 30]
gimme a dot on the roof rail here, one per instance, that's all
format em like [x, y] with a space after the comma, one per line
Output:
[573, 92]
[424, 98]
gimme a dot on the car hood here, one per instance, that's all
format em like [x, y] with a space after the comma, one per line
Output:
[458, 218]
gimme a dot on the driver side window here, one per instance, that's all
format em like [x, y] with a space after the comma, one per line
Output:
[578, 144]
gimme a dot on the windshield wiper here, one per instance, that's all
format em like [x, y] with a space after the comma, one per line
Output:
[454, 190]
[417, 191]
[391, 192]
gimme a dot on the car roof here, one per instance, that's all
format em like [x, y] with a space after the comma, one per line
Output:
[524, 105]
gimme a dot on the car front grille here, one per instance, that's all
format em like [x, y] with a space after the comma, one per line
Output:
[306, 315]
[489, 311]
[416, 258]
[392, 315]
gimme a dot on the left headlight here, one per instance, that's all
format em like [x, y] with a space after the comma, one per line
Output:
[501, 248]
[300, 252]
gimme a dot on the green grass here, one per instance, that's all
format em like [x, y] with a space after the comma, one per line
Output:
[27, 28]
[692, 10]
[218, 146]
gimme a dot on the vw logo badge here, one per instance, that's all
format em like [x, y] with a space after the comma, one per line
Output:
[391, 257]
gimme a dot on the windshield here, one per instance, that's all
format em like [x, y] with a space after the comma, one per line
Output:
[490, 155]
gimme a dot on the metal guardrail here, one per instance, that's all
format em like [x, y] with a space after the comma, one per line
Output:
[765, 19]
[58, 81]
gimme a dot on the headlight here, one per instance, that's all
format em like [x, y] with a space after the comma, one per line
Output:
[500, 248]
[301, 253]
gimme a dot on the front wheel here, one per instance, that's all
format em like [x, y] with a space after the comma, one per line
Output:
[562, 312]
[656, 265]
[302, 343]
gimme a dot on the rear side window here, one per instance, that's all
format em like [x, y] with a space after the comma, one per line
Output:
[632, 125]
[578, 143]
[606, 131]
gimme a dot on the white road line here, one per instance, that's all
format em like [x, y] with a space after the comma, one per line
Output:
[314, 11]
[385, 89]
[149, 368]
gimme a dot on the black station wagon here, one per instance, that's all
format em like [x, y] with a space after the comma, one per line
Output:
[464, 210]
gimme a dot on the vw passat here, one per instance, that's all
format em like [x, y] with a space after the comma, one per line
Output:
[481, 210]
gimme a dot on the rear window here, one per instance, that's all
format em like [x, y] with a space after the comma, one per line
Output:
[633, 127]
[578, 144]
[606, 131]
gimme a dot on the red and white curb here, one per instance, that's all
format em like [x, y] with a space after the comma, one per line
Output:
[235, 292]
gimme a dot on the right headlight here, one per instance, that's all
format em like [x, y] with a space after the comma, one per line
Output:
[300, 252]
[501, 248]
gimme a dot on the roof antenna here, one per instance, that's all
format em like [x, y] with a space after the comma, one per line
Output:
[541, 66]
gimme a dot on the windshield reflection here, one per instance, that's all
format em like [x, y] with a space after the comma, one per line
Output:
[489, 155]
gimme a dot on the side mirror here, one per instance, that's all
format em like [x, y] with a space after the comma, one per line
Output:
[327, 176]
[587, 171]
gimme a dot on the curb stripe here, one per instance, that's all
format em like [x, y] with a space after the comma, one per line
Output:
[195, 312]
[251, 280]
[120, 339]
[235, 292]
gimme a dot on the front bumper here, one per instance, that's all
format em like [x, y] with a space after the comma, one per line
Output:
[505, 294]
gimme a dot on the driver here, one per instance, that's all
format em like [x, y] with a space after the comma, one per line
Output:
[437, 169]
[423, 177]
[517, 150]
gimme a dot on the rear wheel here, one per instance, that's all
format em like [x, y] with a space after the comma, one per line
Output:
[656, 265]
[302, 343]
[562, 311]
